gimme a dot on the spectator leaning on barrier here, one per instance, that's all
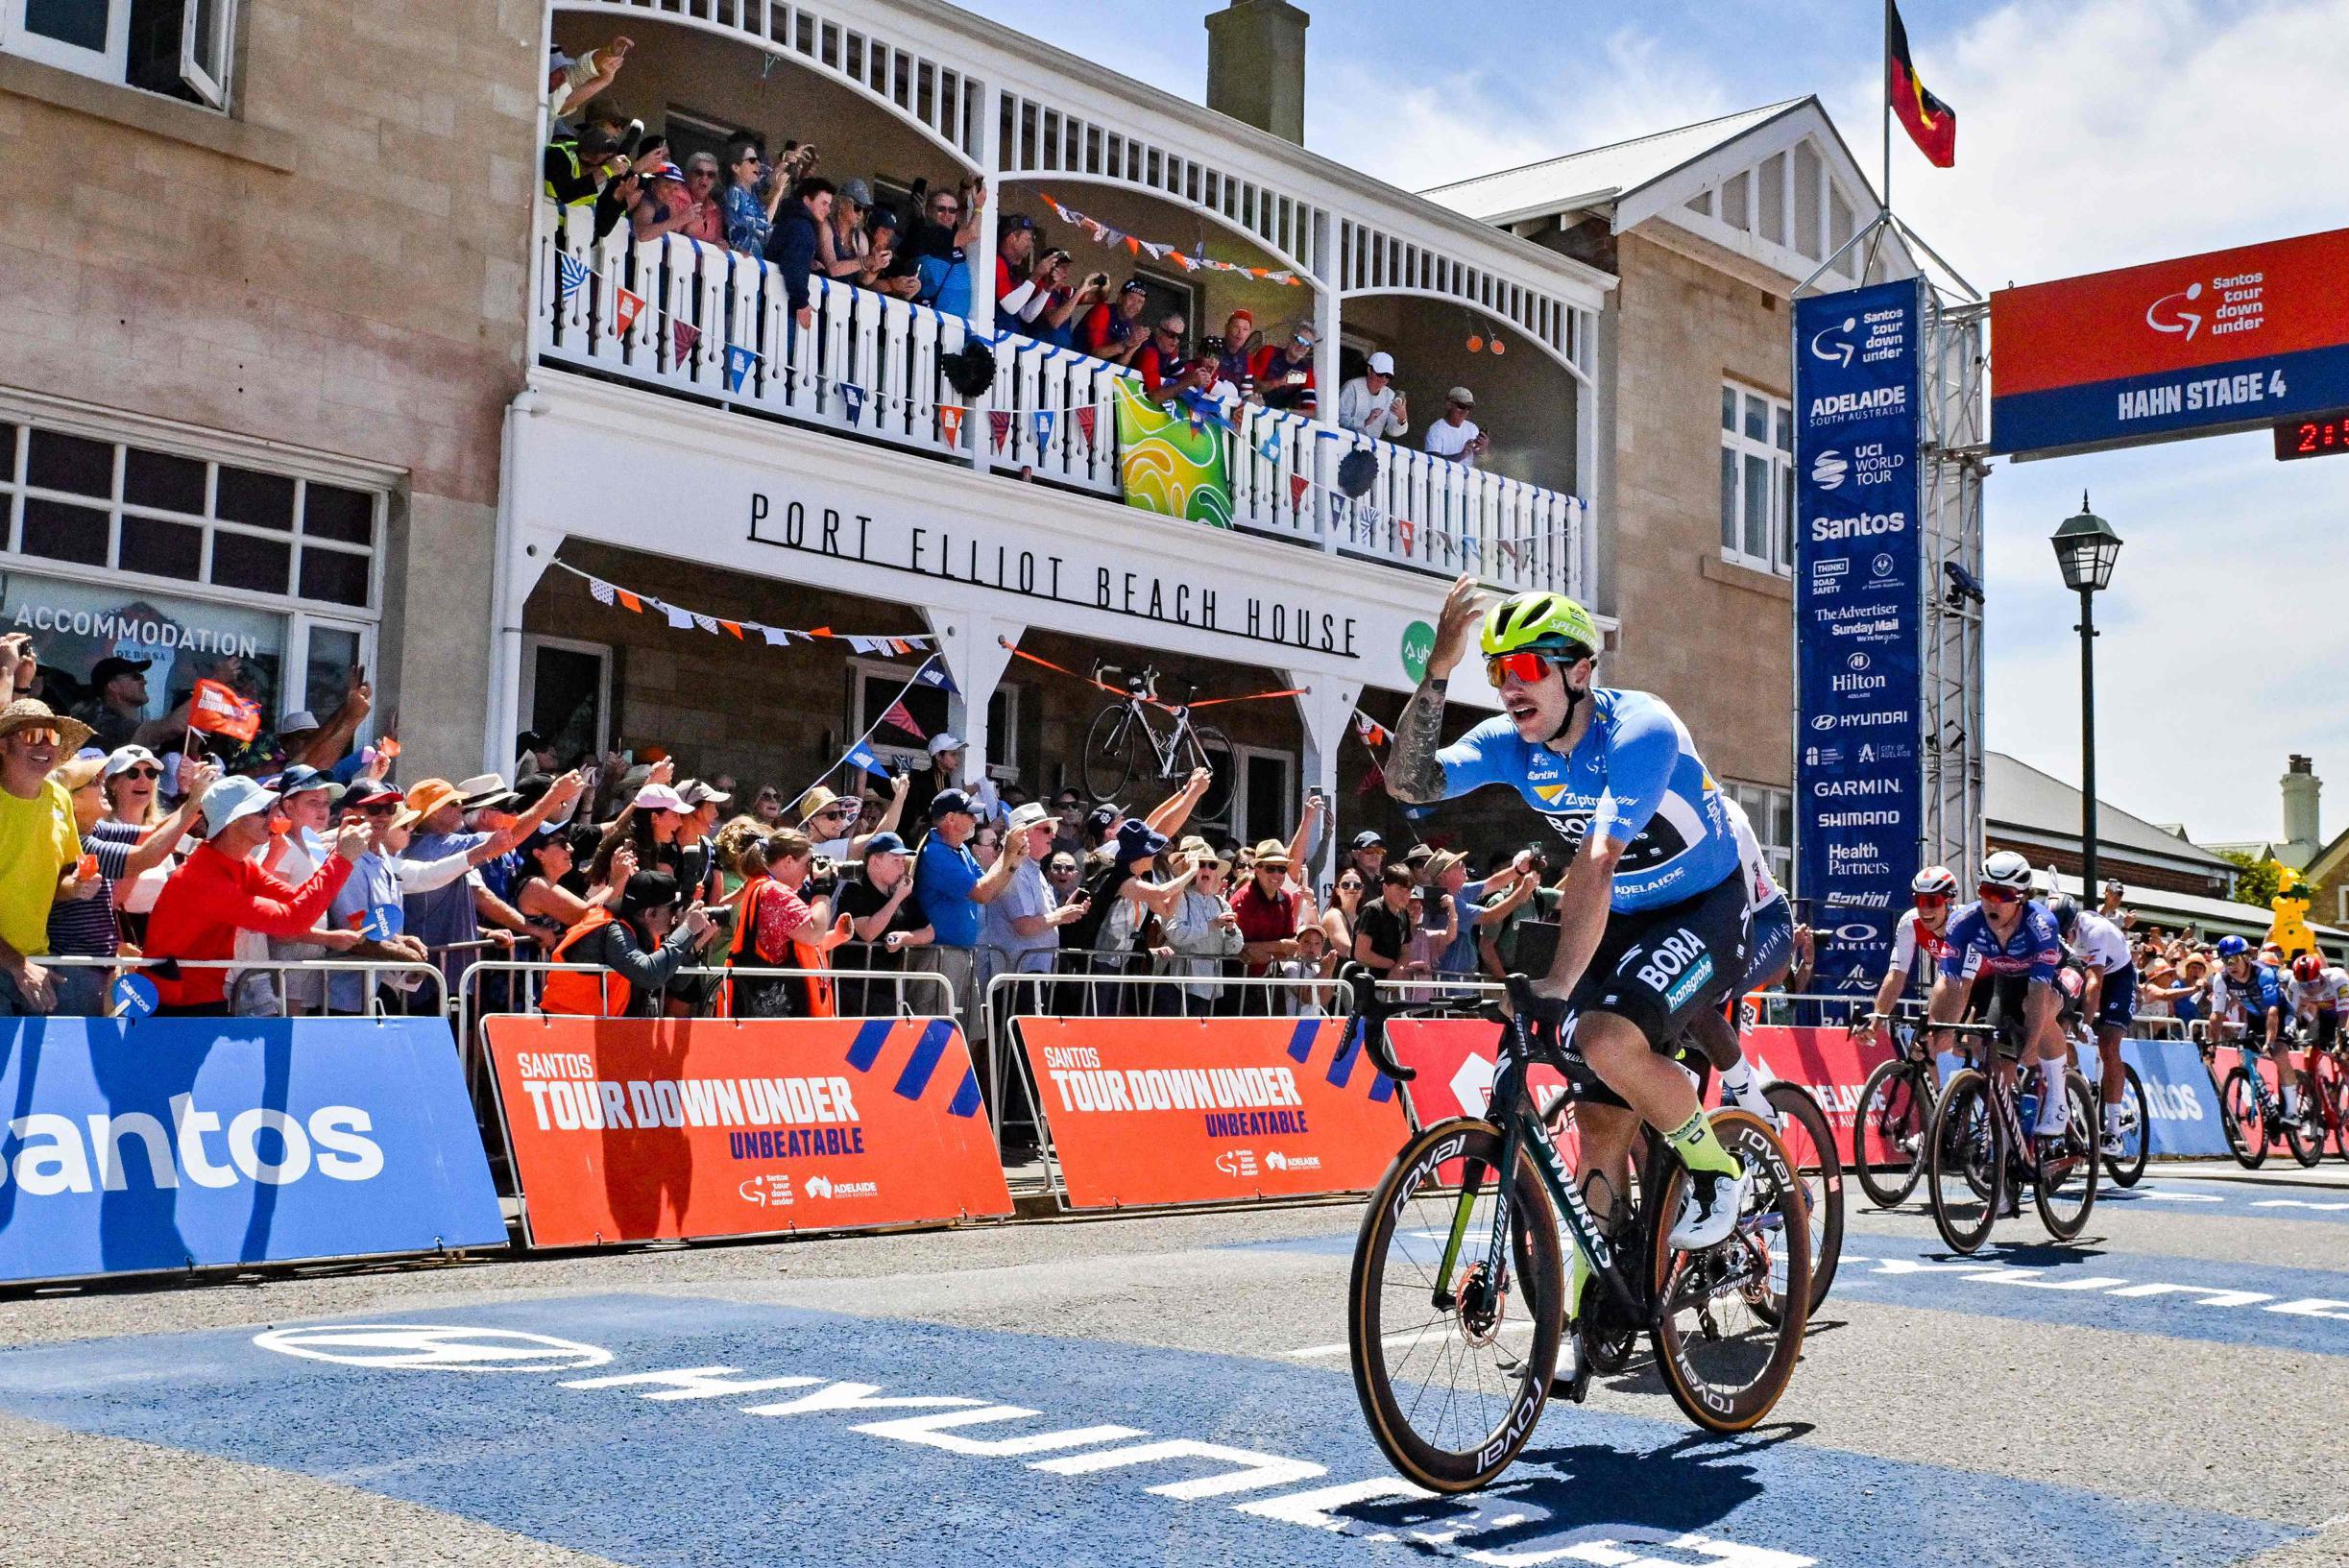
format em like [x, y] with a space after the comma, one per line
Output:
[793, 246]
[81, 921]
[446, 918]
[1383, 930]
[1113, 331]
[293, 854]
[41, 850]
[952, 888]
[642, 942]
[884, 921]
[1160, 361]
[222, 890]
[1345, 909]
[750, 217]
[777, 927]
[1446, 938]
[1204, 932]
[1284, 371]
[1371, 405]
[1267, 909]
[842, 247]
[1024, 924]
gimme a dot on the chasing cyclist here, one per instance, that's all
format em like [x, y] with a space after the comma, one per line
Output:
[2110, 998]
[1919, 942]
[2320, 991]
[2003, 953]
[1651, 921]
[2254, 997]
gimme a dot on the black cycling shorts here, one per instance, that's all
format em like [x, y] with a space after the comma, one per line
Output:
[1999, 1002]
[1659, 969]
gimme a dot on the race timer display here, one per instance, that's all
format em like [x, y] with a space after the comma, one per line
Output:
[2316, 436]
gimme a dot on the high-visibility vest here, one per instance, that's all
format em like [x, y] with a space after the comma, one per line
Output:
[816, 990]
[577, 993]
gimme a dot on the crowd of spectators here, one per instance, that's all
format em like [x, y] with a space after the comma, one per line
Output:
[601, 161]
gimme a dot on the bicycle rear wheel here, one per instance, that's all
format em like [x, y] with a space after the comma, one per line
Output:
[2064, 1183]
[1888, 1133]
[1209, 748]
[1726, 1341]
[1810, 1150]
[2245, 1121]
[2128, 1167]
[1452, 1385]
[2305, 1134]
[1111, 745]
[2336, 1083]
[1966, 1164]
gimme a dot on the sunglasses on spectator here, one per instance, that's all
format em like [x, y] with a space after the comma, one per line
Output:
[381, 809]
[946, 206]
[1527, 666]
[142, 771]
[837, 812]
[1997, 895]
[1930, 901]
[41, 736]
[1349, 887]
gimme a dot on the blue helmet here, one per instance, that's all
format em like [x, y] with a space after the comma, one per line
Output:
[2232, 946]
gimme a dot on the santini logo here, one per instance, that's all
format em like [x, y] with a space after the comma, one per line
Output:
[263, 1144]
[1829, 469]
[1867, 523]
[1833, 346]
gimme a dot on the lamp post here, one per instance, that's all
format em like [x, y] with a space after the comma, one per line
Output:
[2086, 548]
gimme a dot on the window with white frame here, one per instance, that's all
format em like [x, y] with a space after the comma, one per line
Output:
[876, 683]
[1756, 479]
[179, 48]
[1771, 811]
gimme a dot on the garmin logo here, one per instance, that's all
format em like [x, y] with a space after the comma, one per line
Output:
[1866, 525]
[1846, 789]
[1860, 683]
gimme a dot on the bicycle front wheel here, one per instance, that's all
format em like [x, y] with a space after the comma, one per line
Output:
[1810, 1150]
[2128, 1167]
[1888, 1132]
[1209, 748]
[2245, 1119]
[1725, 1337]
[1108, 762]
[1966, 1162]
[2064, 1183]
[1452, 1374]
[2305, 1134]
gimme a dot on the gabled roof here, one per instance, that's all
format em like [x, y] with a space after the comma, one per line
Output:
[2017, 795]
[1599, 174]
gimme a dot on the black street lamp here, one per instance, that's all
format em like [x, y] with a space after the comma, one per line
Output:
[2086, 548]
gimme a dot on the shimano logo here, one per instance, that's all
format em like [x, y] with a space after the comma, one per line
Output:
[263, 1144]
[1866, 525]
[1858, 819]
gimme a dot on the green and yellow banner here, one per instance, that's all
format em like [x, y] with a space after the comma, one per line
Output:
[1168, 463]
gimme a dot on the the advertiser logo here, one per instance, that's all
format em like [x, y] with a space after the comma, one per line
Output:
[1236, 1162]
[1276, 1160]
[824, 1186]
[768, 1192]
[260, 1145]
[433, 1347]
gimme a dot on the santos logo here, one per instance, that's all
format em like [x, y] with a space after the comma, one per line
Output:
[1864, 526]
[264, 1144]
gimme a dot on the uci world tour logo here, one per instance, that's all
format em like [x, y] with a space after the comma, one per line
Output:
[1830, 469]
[1833, 346]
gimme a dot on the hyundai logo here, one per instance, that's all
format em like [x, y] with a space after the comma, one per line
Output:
[436, 1347]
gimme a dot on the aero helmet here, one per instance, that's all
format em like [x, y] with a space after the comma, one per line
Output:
[2004, 868]
[2232, 946]
[2307, 968]
[1934, 880]
[2067, 916]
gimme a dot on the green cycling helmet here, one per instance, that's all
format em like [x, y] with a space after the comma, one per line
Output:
[1538, 620]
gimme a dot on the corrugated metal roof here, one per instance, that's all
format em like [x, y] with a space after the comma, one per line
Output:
[1598, 174]
[2019, 794]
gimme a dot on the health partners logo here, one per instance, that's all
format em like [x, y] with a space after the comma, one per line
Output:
[439, 1347]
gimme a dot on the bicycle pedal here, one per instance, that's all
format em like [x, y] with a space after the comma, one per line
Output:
[1575, 1385]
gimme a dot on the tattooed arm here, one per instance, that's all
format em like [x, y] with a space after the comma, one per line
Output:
[1414, 776]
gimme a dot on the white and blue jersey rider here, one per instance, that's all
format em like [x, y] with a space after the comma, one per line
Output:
[1651, 921]
[2001, 963]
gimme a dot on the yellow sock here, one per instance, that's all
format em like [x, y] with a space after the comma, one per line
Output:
[1699, 1150]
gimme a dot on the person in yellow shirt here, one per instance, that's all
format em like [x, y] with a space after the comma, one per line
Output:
[40, 850]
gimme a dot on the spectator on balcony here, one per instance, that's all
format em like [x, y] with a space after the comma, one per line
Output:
[750, 216]
[1047, 309]
[571, 83]
[844, 250]
[1232, 361]
[896, 274]
[666, 206]
[705, 200]
[1114, 331]
[1284, 369]
[946, 223]
[1456, 437]
[793, 244]
[1015, 249]
[1160, 361]
[41, 849]
[1371, 405]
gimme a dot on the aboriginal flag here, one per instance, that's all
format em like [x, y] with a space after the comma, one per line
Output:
[1930, 123]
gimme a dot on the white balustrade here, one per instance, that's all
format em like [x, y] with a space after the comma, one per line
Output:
[871, 366]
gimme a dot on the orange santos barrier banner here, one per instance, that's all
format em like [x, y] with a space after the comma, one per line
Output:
[1147, 1111]
[651, 1130]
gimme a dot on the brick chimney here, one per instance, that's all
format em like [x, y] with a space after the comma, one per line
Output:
[1256, 65]
[2301, 788]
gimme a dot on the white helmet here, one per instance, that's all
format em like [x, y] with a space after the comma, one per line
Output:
[2004, 868]
[1934, 880]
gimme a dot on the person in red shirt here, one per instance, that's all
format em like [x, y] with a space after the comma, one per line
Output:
[1115, 332]
[1160, 361]
[1267, 909]
[220, 890]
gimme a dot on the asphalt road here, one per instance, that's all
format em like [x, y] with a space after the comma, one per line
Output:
[2171, 1389]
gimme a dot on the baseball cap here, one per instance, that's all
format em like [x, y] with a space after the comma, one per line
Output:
[660, 798]
[942, 741]
[1134, 285]
[951, 800]
[232, 799]
[1460, 395]
[366, 792]
[123, 758]
[108, 668]
[884, 844]
[1382, 363]
[302, 777]
[857, 191]
[1368, 839]
[696, 792]
[296, 722]
[1017, 221]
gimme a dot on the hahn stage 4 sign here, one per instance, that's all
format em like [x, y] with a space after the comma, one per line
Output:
[172, 1143]
[1859, 564]
[2231, 340]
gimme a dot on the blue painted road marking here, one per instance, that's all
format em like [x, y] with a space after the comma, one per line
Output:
[674, 1431]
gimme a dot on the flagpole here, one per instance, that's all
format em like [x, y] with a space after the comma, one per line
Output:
[1884, 71]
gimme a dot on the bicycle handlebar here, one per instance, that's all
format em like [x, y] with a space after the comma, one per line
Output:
[1373, 1012]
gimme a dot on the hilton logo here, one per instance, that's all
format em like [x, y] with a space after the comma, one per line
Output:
[1860, 683]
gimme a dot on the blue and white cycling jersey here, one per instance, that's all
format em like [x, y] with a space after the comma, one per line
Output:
[2248, 1000]
[2035, 949]
[1635, 774]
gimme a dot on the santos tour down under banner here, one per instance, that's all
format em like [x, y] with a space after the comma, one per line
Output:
[1203, 1110]
[651, 1130]
[1858, 570]
[1169, 462]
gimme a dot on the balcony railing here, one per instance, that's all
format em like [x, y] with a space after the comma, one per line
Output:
[717, 325]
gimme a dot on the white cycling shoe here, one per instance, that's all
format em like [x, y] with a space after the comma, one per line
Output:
[1709, 1207]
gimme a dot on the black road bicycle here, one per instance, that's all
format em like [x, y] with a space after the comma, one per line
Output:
[1981, 1152]
[1455, 1304]
[1896, 1112]
[2253, 1115]
[1123, 743]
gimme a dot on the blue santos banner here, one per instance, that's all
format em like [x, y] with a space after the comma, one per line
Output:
[170, 1144]
[1860, 562]
[2182, 1114]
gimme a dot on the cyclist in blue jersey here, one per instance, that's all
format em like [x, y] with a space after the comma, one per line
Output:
[2254, 996]
[2004, 954]
[1651, 921]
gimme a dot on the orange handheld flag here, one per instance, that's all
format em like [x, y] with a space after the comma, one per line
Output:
[217, 709]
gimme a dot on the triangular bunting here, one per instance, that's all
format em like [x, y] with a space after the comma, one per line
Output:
[573, 274]
[738, 361]
[1085, 419]
[681, 621]
[601, 590]
[629, 601]
[851, 397]
[999, 421]
[685, 335]
[950, 422]
[708, 623]
[624, 308]
[1298, 484]
[1044, 425]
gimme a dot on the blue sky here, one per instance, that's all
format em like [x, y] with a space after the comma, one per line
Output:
[2092, 133]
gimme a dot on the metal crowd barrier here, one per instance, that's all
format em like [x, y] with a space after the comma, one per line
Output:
[375, 980]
